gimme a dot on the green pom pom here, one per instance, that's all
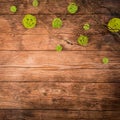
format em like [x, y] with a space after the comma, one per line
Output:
[72, 8]
[35, 3]
[105, 60]
[59, 48]
[29, 21]
[86, 26]
[13, 9]
[114, 25]
[57, 23]
[82, 40]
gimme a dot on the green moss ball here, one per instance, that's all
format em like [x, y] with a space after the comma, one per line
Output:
[114, 25]
[57, 23]
[86, 26]
[29, 21]
[105, 60]
[72, 8]
[59, 48]
[82, 40]
[35, 3]
[13, 9]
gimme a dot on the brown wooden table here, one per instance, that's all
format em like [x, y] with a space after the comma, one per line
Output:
[38, 83]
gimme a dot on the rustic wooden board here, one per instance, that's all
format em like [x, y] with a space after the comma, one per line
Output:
[44, 37]
[59, 7]
[71, 24]
[70, 75]
[58, 115]
[44, 42]
[59, 61]
[82, 96]
[38, 83]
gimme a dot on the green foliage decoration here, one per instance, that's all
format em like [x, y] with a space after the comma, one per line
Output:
[35, 3]
[72, 8]
[57, 23]
[59, 48]
[82, 40]
[114, 25]
[105, 60]
[86, 26]
[29, 21]
[13, 9]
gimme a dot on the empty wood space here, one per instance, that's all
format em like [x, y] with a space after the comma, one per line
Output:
[39, 83]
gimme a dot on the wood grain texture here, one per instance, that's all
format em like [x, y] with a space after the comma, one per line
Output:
[71, 24]
[38, 83]
[71, 96]
[44, 37]
[58, 115]
[70, 75]
[44, 42]
[59, 61]
[59, 7]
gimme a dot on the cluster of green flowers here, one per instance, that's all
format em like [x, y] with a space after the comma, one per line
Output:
[30, 21]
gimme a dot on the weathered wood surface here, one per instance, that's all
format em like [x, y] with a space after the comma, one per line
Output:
[70, 75]
[71, 96]
[59, 7]
[44, 37]
[58, 115]
[37, 83]
[59, 61]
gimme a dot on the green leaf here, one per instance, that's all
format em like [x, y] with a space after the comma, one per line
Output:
[59, 48]
[35, 3]
[13, 9]
[105, 60]
[82, 40]
[57, 23]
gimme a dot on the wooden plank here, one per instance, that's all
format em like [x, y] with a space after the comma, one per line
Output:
[60, 7]
[78, 75]
[70, 96]
[14, 36]
[51, 60]
[58, 115]
[71, 24]
[51, 81]
[45, 42]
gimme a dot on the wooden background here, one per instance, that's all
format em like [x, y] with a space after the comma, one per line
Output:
[38, 83]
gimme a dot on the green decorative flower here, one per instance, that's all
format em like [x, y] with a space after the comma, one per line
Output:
[105, 60]
[29, 21]
[72, 8]
[35, 3]
[82, 40]
[114, 25]
[59, 48]
[13, 9]
[57, 23]
[86, 26]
